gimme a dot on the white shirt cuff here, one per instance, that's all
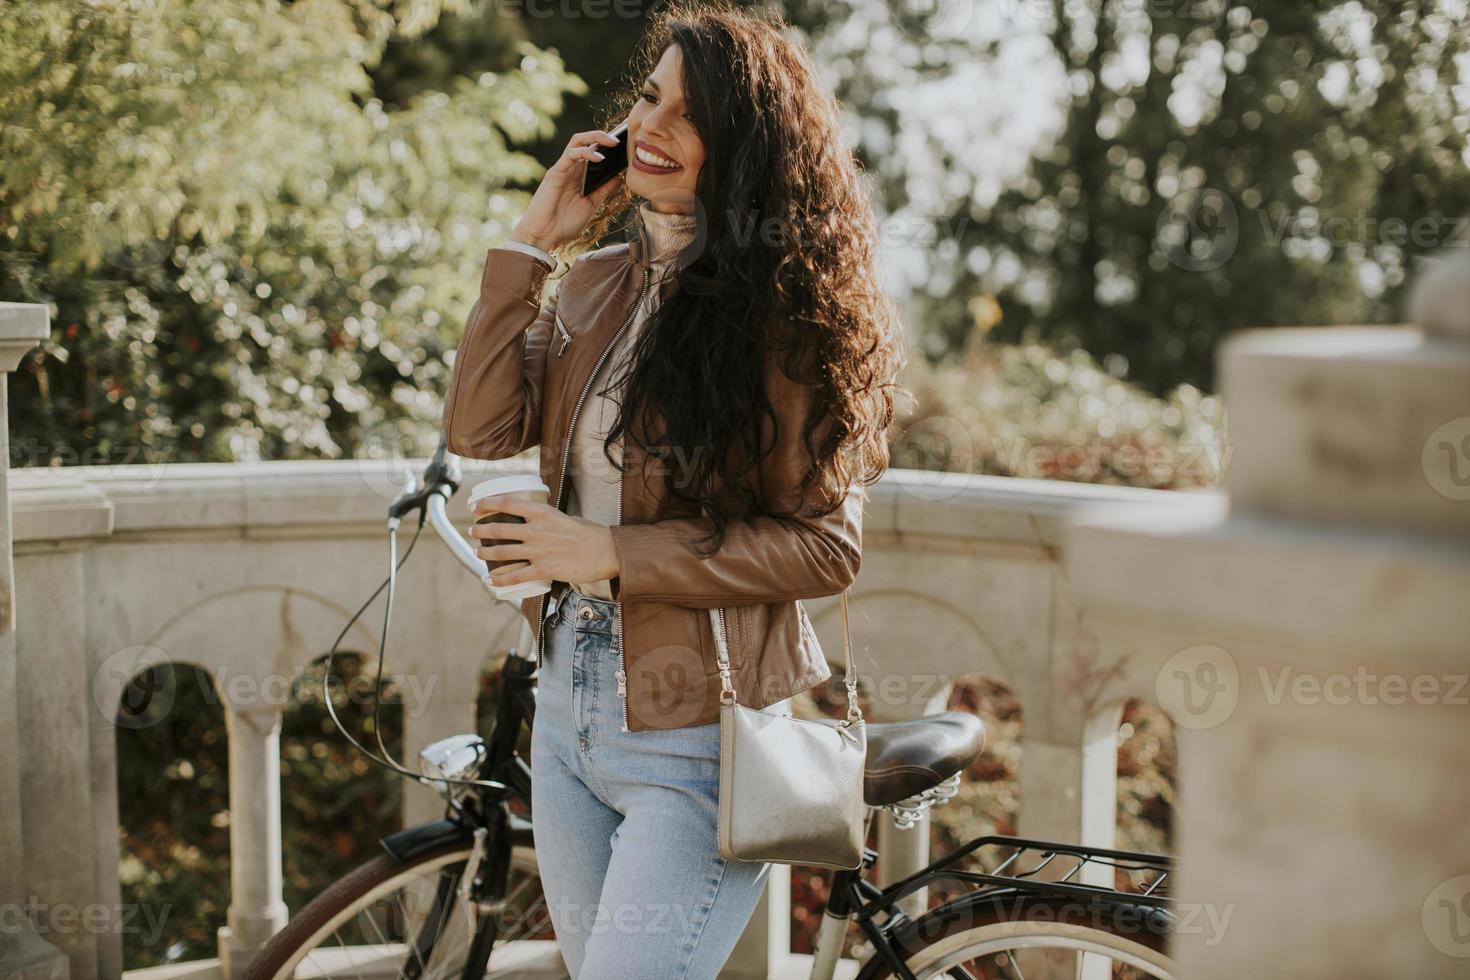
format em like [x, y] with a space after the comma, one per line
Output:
[530, 250]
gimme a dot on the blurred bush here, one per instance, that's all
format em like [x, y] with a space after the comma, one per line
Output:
[1032, 410]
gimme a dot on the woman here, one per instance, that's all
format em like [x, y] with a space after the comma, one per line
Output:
[710, 400]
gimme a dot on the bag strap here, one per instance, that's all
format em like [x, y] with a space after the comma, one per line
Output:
[849, 679]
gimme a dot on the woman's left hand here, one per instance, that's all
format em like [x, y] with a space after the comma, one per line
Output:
[559, 547]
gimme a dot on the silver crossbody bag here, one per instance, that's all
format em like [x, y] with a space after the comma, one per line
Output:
[791, 789]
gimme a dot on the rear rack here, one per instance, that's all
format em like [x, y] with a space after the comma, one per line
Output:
[1023, 868]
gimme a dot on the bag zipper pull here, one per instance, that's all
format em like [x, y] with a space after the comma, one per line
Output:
[622, 683]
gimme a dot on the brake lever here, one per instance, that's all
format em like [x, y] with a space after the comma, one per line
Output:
[441, 476]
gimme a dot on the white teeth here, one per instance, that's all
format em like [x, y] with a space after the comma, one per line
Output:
[654, 159]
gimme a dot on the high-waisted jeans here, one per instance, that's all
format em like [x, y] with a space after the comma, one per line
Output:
[625, 821]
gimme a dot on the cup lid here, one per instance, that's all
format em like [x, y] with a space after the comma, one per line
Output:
[510, 483]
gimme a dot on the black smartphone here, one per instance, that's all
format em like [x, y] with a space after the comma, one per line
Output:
[614, 161]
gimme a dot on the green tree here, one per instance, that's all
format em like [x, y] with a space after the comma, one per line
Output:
[246, 253]
[1216, 165]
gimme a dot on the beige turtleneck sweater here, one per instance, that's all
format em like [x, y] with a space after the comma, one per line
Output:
[594, 482]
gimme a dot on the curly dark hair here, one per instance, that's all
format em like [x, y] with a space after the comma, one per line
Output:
[808, 294]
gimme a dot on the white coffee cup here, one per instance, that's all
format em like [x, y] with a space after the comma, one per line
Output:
[521, 486]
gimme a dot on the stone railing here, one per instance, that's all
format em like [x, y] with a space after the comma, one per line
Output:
[1314, 639]
[250, 570]
[1306, 628]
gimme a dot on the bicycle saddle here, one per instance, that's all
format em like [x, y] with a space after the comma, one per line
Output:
[908, 757]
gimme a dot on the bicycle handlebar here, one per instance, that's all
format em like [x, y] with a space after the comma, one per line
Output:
[440, 480]
[456, 542]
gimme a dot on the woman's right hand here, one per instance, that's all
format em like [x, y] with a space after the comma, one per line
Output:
[558, 212]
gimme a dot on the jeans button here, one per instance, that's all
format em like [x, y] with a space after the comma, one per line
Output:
[587, 612]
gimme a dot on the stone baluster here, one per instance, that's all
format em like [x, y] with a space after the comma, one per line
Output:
[257, 910]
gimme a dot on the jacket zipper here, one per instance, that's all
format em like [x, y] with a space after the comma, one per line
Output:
[566, 451]
[622, 673]
[566, 338]
[724, 642]
[622, 659]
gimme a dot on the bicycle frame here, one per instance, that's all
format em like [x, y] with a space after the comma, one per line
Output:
[484, 819]
[479, 816]
[852, 897]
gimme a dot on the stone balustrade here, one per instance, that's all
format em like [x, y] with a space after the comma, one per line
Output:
[1315, 636]
[1306, 628]
[250, 570]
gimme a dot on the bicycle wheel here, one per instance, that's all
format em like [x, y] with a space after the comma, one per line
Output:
[1022, 937]
[387, 919]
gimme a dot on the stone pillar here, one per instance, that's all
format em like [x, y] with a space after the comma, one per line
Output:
[24, 955]
[257, 910]
[1315, 648]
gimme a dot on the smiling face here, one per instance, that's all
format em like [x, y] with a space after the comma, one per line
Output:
[665, 152]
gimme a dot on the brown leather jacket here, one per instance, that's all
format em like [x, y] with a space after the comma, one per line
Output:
[520, 377]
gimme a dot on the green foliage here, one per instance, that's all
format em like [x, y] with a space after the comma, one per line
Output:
[1214, 165]
[247, 254]
[1028, 410]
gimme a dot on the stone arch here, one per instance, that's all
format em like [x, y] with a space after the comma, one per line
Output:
[905, 674]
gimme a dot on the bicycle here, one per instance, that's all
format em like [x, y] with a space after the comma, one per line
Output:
[447, 894]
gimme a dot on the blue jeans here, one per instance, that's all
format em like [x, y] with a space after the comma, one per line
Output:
[625, 821]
